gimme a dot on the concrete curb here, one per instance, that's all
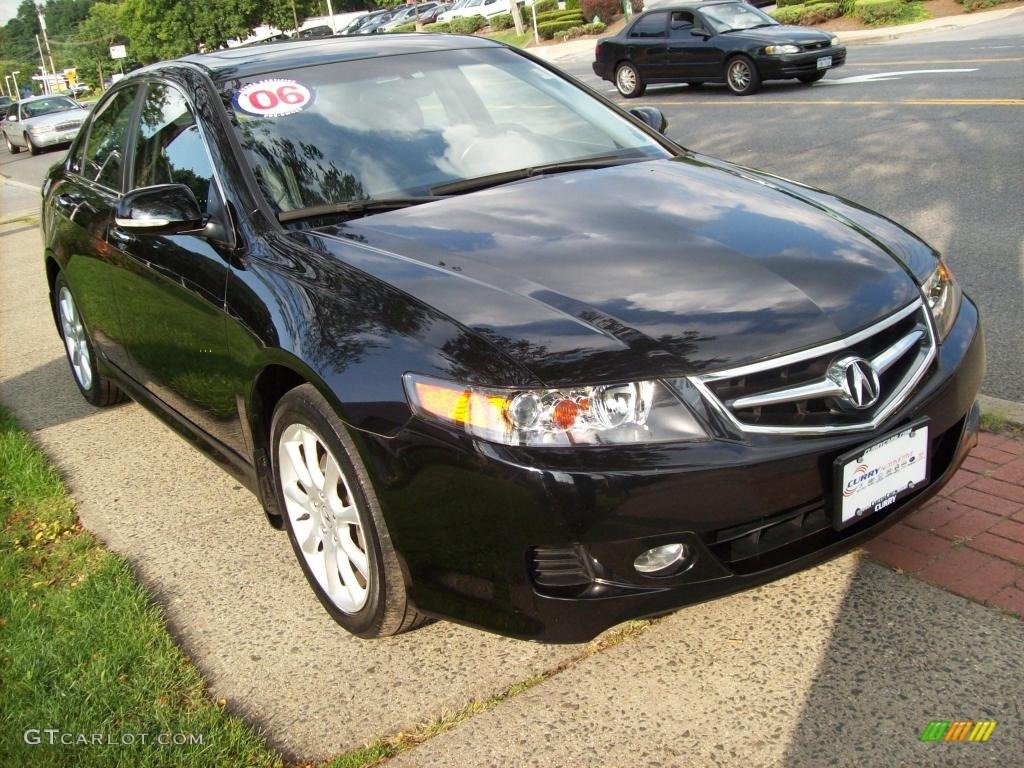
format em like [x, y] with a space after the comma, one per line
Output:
[865, 36]
[1009, 410]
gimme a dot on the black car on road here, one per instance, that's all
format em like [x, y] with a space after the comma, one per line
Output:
[488, 347]
[714, 42]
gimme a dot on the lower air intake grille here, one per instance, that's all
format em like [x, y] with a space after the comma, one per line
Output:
[558, 567]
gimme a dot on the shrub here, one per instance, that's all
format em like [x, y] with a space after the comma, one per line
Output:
[638, 6]
[846, 6]
[572, 5]
[410, 27]
[544, 18]
[594, 28]
[467, 25]
[789, 15]
[549, 30]
[874, 11]
[501, 21]
[819, 12]
[545, 5]
[606, 10]
[786, 3]
[974, 5]
[439, 27]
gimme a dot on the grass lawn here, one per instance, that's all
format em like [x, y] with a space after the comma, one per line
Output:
[509, 36]
[84, 648]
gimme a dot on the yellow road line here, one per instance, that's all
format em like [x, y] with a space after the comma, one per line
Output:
[930, 61]
[840, 102]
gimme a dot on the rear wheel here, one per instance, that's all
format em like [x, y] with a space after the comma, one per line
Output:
[95, 388]
[32, 148]
[334, 521]
[10, 147]
[628, 81]
[741, 76]
[808, 79]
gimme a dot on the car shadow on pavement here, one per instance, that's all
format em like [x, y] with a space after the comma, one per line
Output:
[46, 395]
[900, 656]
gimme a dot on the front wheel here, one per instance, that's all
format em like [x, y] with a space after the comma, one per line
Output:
[741, 76]
[334, 521]
[808, 79]
[629, 82]
[10, 147]
[95, 388]
[32, 148]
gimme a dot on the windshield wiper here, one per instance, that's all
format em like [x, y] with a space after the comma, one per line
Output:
[497, 179]
[357, 207]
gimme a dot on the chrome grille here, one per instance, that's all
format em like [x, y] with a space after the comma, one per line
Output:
[66, 126]
[803, 393]
[816, 46]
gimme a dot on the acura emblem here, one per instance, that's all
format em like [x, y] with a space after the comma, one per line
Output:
[857, 379]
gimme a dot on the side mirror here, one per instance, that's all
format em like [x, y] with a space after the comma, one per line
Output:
[652, 116]
[165, 209]
[12, 117]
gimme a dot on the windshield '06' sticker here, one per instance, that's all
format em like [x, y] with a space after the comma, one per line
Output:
[273, 98]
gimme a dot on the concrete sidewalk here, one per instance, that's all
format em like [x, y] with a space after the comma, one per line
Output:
[577, 48]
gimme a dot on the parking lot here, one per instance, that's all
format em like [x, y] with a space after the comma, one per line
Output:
[844, 664]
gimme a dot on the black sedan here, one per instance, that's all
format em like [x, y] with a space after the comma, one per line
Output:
[714, 42]
[491, 349]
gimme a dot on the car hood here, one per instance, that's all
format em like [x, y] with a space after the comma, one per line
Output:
[654, 268]
[56, 118]
[782, 33]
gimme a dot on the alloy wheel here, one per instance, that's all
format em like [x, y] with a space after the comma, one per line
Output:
[75, 338]
[626, 80]
[322, 511]
[739, 75]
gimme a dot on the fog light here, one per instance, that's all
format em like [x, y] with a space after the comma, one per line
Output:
[663, 561]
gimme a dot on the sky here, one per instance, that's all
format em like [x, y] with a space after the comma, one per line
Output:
[7, 10]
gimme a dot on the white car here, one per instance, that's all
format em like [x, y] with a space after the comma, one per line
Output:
[42, 121]
[485, 8]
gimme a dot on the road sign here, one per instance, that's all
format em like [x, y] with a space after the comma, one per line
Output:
[118, 52]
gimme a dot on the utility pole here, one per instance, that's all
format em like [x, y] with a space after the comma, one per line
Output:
[295, 16]
[14, 79]
[46, 40]
[517, 17]
[46, 80]
[330, 13]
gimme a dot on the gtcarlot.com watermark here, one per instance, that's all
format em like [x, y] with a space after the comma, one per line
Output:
[55, 737]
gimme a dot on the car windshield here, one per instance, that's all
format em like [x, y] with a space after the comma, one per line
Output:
[47, 106]
[400, 126]
[734, 17]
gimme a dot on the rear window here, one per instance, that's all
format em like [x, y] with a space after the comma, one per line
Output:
[651, 25]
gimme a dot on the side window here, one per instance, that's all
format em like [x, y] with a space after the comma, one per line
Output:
[651, 25]
[682, 23]
[169, 148]
[103, 157]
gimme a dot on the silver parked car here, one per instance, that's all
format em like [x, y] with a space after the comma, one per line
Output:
[42, 121]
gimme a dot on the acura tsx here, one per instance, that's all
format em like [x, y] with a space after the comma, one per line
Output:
[491, 349]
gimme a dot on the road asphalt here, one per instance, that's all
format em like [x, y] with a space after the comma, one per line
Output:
[845, 664]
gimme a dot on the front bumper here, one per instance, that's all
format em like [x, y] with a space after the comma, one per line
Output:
[53, 138]
[797, 64]
[540, 544]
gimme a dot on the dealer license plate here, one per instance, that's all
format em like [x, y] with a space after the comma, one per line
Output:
[824, 62]
[873, 478]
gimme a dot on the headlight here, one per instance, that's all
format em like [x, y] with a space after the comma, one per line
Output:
[778, 50]
[41, 129]
[833, 40]
[942, 293]
[635, 412]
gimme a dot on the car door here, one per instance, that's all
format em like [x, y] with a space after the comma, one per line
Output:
[692, 52]
[83, 201]
[12, 126]
[647, 43]
[170, 295]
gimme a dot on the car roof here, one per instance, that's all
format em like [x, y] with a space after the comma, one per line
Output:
[44, 96]
[291, 54]
[694, 6]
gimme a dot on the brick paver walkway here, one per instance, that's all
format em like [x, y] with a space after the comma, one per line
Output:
[970, 538]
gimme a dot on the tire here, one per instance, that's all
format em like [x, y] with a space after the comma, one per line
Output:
[741, 76]
[10, 147]
[808, 79]
[79, 350]
[32, 148]
[348, 559]
[628, 80]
